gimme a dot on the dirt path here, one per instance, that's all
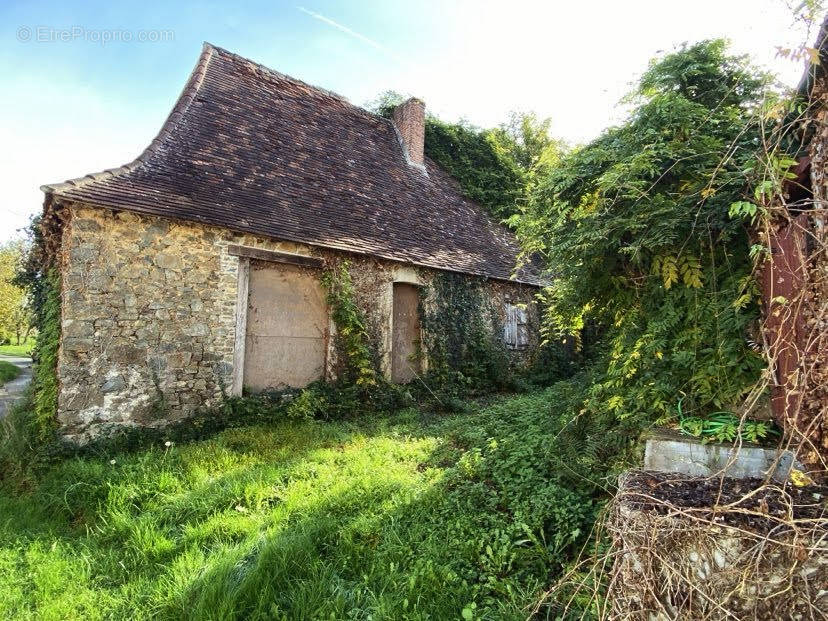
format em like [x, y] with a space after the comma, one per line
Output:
[13, 390]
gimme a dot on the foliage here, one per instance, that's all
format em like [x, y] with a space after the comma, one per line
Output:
[403, 517]
[42, 284]
[32, 269]
[8, 372]
[527, 141]
[461, 338]
[360, 362]
[15, 314]
[725, 427]
[44, 373]
[482, 162]
[478, 162]
[636, 228]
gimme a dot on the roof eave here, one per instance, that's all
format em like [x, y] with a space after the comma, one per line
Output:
[183, 102]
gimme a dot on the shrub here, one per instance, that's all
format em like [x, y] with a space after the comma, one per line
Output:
[636, 227]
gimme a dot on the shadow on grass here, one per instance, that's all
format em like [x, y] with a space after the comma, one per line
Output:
[393, 518]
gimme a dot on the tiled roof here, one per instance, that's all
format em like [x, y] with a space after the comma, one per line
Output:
[256, 151]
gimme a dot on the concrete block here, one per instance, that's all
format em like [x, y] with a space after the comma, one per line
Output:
[672, 452]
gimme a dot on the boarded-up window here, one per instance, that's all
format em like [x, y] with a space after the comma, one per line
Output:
[516, 327]
[287, 322]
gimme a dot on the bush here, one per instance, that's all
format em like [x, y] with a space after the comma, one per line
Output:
[637, 228]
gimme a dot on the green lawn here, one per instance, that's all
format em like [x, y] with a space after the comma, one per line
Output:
[24, 349]
[8, 371]
[412, 516]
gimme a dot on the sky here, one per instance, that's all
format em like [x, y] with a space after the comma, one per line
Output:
[87, 85]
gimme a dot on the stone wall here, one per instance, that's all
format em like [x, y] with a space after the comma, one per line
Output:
[760, 554]
[149, 315]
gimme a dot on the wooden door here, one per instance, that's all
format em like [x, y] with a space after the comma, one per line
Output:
[287, 324]
[405, 333]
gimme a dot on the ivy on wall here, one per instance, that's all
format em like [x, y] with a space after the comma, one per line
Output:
[461, 333]
[44, 379]
[360, 358]
[41, 280]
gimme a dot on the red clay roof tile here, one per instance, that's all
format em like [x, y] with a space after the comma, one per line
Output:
[256, 151]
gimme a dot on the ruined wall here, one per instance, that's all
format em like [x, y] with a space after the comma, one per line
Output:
[761, 554]
[149, 315]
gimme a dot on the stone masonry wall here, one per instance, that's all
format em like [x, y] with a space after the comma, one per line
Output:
[149, 315]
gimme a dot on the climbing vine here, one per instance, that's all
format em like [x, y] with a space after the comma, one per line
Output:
[482, 161]
[636, 227]
[44, 379]
[460, 333]
[41, 280]
[360, 363]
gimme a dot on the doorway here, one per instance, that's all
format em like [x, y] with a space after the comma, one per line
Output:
[405, 333]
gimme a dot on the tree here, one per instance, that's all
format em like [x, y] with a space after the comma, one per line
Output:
[483, 163]
[635, 227]
[15, 315]
[528, 141]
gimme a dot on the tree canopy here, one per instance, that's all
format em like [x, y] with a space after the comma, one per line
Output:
[493, 166]
[636, 230]
[15, 318]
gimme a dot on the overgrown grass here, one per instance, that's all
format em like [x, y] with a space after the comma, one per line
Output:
[8, 371]
[410, 516]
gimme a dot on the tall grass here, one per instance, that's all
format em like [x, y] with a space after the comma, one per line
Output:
[404, 517]
[8, 371]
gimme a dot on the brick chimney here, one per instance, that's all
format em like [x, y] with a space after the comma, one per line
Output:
[409, 119]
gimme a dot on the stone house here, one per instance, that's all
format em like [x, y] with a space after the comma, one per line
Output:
[196, 268]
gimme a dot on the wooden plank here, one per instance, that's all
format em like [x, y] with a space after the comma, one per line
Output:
[521, 328]
[784, 276]
[287, 321]
[241, 326]
[274, 256]
[510, 326]
[405, 332]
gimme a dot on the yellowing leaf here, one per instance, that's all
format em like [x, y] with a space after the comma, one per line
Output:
[813, 55]
[669, 271]
[800, 479]
[691, 271]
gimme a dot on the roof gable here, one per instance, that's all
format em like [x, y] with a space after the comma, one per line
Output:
[256, 151]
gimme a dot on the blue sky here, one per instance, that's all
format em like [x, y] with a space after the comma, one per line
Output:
[76, 106]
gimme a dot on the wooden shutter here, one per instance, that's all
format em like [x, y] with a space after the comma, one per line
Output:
[522, 327]
[515, 327]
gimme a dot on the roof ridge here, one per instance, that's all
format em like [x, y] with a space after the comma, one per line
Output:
[188, 93]
[290, 78]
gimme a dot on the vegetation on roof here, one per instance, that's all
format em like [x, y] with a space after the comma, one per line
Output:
[494, 167]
